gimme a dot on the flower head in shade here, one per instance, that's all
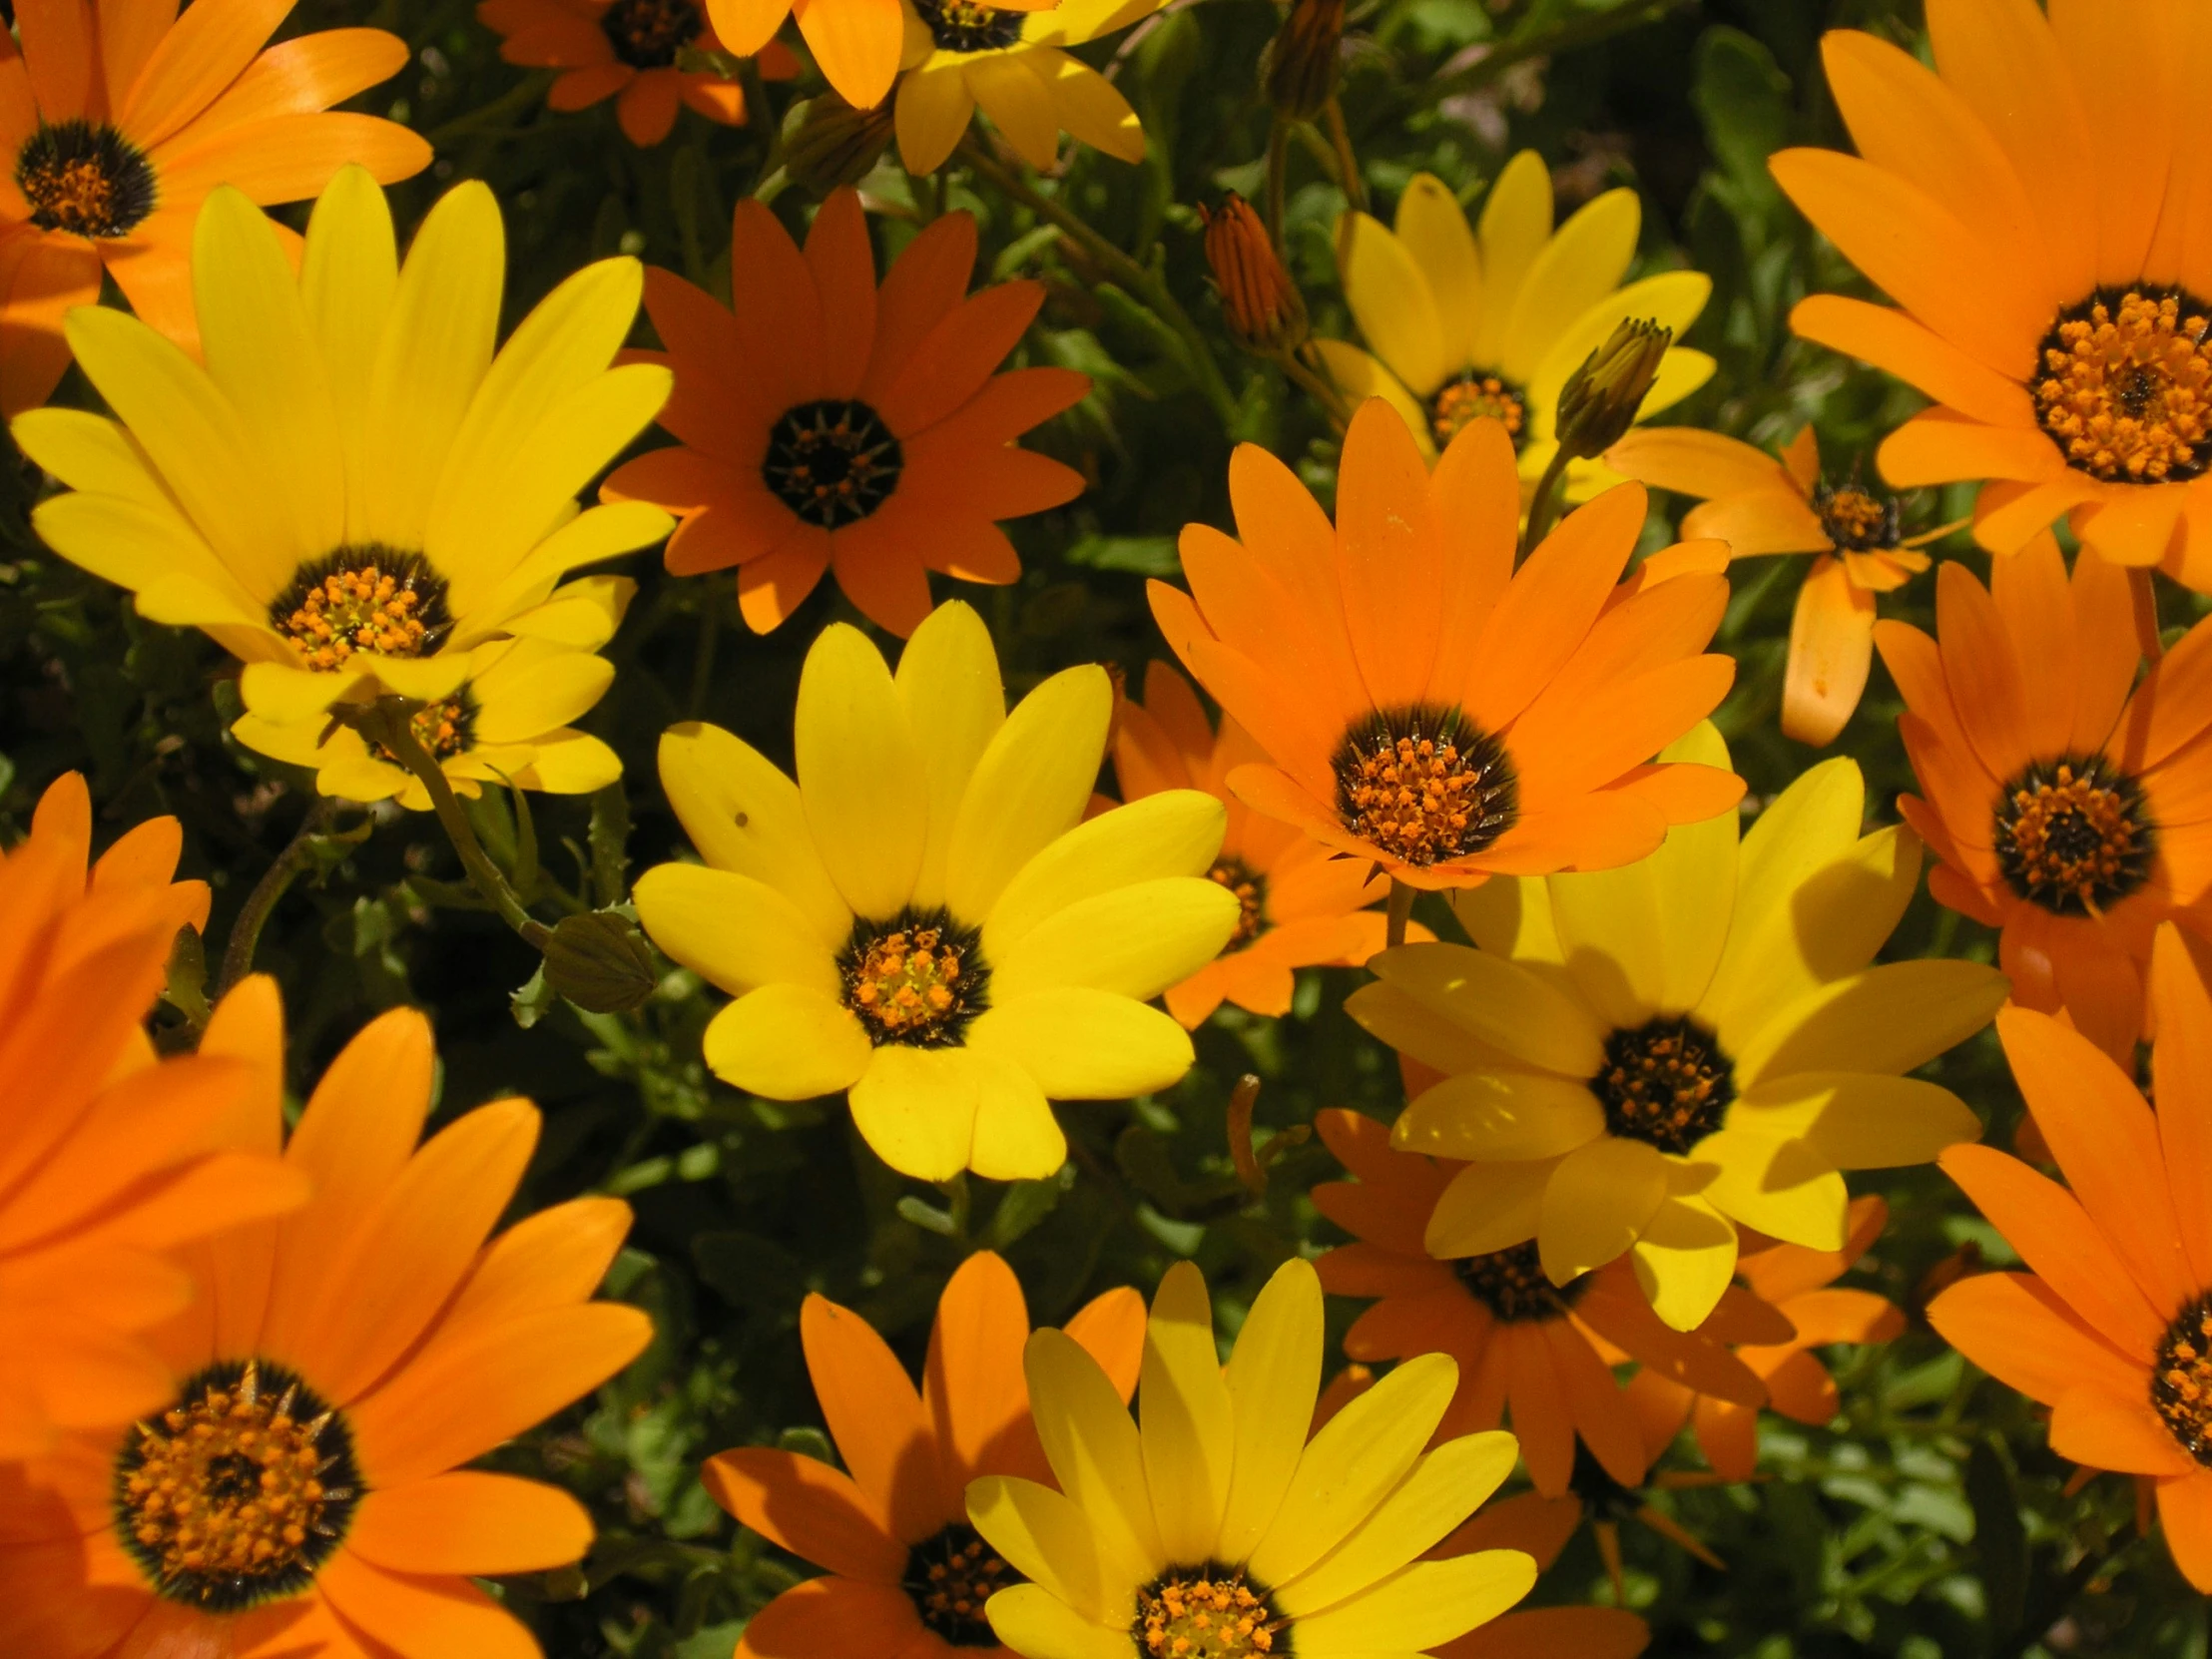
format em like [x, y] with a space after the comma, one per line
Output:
[2111, 1323]
[903, 1570]
[1640, 1061]
[1759, 505]
[355, 491]
[2032, 203]
[1299, 904]
[1542, 1353]
[1797, 1286]
[826, 425]
[110, 1160]
[856, 44]
[632, 51]
[1423, 706]
[1224, 1520]
[1490, 322]
[302, 1491]
[1012, 64]
[2070, 807]
[117, 123]
[925, 918]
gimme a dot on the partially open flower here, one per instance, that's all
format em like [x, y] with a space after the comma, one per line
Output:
[1602, 399]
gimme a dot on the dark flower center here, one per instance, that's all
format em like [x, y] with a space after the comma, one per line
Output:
[1206, 1611]
[443, 728]
[1423, 783]
[2124, 386]
[1470, 397]
[959, 26]
[832, 462]
[2181, 1379]
[1858, 521]
[915, 980]
[84, 179]
[2074, 835]
[368, 598]
[1251, 888]
[1665, 1083]
[647, 34]
[1511, 1284]
[949, 1577]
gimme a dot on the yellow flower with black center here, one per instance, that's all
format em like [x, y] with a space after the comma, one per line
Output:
[1640, 1061]
[355, 491]
[923, 918]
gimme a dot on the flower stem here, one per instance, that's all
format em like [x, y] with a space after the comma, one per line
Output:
[512, 101]
[275, 882]
[1543, 506]
[2142, 585]
[1348, 166]
[1279, 154]
[1318, 386]
[1399, 912]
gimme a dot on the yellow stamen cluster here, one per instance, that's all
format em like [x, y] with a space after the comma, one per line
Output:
[358, 608]
[2072, 837]
[77, 196]
[906, 985]
[2126, 387]
[1857, 521]
[1250, 889]
[1471, 398]
[950, 1578]
[1206, 1614]
[1423, 787]
[963, 26]
[1665, 1082]
[443, 729]
[2181, 1379]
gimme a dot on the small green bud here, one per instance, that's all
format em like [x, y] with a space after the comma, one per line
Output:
[601, 962]
[835, 144]
[1299, 73]
[1599, 402]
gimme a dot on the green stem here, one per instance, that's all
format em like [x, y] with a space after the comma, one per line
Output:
[1347, 165]
[252, 916]
[760, 117]
[1319, 386]
[517, 98]
[1397, 913]
[1279, 157]
[1543, 506]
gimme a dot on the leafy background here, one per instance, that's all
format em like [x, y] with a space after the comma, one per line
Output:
[1929, 1519]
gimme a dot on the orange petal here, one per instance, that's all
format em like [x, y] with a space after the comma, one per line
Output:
[803, 1506]
[2017, 1330]
[427, 1615]
[467, 1523]
[1831, 650]
[972, 1386]
[876, 1419]
[2117, 1432]
[832, 1618]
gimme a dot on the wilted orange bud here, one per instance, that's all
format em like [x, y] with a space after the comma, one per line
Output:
[1259, 298]
[1301, 73]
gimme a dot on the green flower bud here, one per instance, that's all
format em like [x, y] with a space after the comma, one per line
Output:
[1599, 402]
[601, 962]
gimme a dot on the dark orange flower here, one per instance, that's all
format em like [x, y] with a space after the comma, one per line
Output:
[826, 424]
[627, 50]
[905, 1572]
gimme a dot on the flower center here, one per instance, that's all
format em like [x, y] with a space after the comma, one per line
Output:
[443, 728]
[1423, 783]
[237, 1493]
[1856, 521]
[1251, 888]
[959, 26]
[2125, 389]
[916, 980]
[949, 1577]
[832, 462]
[2074, 835]
[368, 598]
[2181, 1379]
[1471, 397]
[1511, 1284]
[1666, 1083]
[647, 34]
[1207, 1611]
[84, 179]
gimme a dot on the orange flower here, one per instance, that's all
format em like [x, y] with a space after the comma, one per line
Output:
[1303, 905]
[122, 119]
[1799, 1285]
[1521, 1344]
[824, 424]
[1759, 506]
[1425, 708]
[2065, 812]
[905, 1572]
[348, 1358]
[627, 50]
[1544, 1525]
[110, 1160]
[2111, 1324]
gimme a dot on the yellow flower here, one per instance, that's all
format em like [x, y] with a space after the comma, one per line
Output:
[960, 54]
[1218, 1528]
[1492, 320]
[923, 918]
[1643, 1060]
[355, 493]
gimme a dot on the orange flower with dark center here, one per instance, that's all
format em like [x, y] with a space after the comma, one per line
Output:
[631, 51]
[905, 1572]
[826, 425]
[1424, 707]
[2070, 807]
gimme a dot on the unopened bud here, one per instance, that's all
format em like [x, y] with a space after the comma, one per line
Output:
[1600, 400]
[834, 144]
[1301, 73]
[1257, 298]
[601, 962]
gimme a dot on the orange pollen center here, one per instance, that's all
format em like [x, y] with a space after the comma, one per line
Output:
[1471, 398]
[1858, 521]
[2125, 388]
[2181, 1379]
[1250, 889]
[1424, 785]
[1204, 1613]
[949, 1577]
[385, 603]
[77, 196]
[443, 728]
[914, 983]
[2072, 837]
[1665, 1083]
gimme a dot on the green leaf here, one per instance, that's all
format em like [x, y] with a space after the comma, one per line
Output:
[1742, 97]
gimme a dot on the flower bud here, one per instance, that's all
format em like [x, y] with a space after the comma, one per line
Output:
[835, 144]
[1301, 71]
[601, 962]
[1262, 304]
[1598, 403]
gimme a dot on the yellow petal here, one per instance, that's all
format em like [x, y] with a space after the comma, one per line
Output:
[1412, 1027]
[1510, 915]
[1037, 1625]
[1016, 1136]
[570, 763]
[1274, 1377]
[1857, 1121]
[1694, 878]
[1421, 1606]
[915, 1108]
[1491, 1115]
[787, 1042]
[1029, 787]
[1673, 300]
[1615, 946]
[933, 111]
[541, 695]
[1684, 1260]
[1596, 1204]
[1391, 300]
[1500, 1003]
[1135, 940]
[1174, 832]
[1780, 1187]
[745, 815]
[861, 776]
[1489, 1207]
[1083, 1044]
[1087, 104]
[1095, 1454]
[1045, 1537]
[1515, 224]
[1018, 103]
[1436, 235]
[948, 678]
[1891, 1018]
[1188, 1434]
[733, 931]
[1358, 377]
[348, 275]
[1577, 269]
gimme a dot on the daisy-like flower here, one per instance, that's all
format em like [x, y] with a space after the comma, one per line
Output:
[507, 721]
[1011, 63]
[824, 424]
[121, 120]
[2066, 812]
[1759, 505]
[355, 493]
[1219, 1524]
[2111, 1324]
[1640, 1061]
[1423, 706]
[630, 51]
[1299, 905]
[1799, 1285]
[2028, 205]
[925, 918]
[110, 1160]
[1469, 323]
[301, 1492]
[856, 44]
[1542, 1352]
[904, 1571]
